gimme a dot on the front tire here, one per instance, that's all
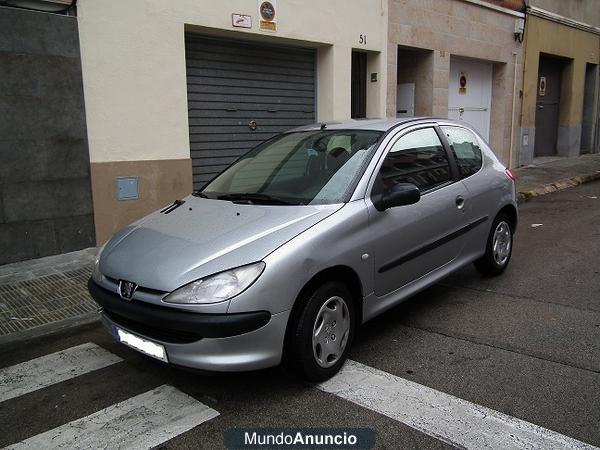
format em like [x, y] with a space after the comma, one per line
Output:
[321, 332]
[498, 248]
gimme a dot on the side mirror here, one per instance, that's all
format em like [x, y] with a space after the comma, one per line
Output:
[400, 194]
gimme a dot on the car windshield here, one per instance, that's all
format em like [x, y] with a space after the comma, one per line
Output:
[299, 168]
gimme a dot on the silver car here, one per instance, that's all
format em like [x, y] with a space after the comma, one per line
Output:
[310, 234]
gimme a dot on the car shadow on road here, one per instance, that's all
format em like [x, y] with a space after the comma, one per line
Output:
[408, 311]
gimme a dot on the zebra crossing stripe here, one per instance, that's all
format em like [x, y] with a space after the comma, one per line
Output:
[450, 419]
[54, 368]
[140, 422]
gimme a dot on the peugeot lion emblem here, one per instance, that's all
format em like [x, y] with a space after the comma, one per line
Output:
[126, 289]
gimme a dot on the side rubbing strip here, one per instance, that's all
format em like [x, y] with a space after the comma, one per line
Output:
[428, 247]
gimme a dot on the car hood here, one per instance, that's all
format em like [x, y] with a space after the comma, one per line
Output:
[164, 251]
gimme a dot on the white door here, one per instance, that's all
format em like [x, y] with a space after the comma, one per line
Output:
[470, 93]
[405, 100]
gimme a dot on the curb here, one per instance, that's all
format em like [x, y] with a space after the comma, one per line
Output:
[556, 186]
[50, 328]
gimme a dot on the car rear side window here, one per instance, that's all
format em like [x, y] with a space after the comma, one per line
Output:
[466, 150]
[419, 158]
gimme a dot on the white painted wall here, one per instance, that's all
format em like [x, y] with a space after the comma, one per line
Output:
[133, 60]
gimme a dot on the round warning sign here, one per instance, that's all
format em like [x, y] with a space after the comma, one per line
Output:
[462, 83]
[267, 11]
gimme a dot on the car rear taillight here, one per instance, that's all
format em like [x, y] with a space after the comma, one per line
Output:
[510, 174]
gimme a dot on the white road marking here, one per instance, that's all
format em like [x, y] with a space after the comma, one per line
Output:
[53, 368]
[140, 422]
[443, 416]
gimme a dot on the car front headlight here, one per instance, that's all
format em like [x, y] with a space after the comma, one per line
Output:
[217, 288]
[96, 274]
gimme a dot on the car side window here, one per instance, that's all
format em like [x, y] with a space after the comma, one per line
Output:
[419, 158]
[466, 150]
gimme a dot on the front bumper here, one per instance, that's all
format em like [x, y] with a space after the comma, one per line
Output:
[213, 342]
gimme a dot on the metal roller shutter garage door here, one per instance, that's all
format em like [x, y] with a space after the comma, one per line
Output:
[232, 83]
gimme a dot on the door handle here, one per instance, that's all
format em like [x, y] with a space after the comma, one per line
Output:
[460, 202]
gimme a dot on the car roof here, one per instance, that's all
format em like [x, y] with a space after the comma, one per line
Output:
[386, 125]
[369, 124]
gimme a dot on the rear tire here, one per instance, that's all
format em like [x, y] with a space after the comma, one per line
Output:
[320, 332]
[498, 249]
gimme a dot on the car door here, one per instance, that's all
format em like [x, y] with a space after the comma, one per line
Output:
[483, 197]
[411, 241]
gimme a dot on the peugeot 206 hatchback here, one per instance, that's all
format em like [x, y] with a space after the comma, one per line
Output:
[310, 234]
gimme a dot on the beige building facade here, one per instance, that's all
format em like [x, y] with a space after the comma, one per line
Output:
[175, 91]
[458, 59]
[560, 89]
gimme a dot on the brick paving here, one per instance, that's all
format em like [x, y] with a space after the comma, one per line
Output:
[44, 291]
[49, 265]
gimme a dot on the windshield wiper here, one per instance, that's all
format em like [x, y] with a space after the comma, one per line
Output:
[199, 194]
[255, 199]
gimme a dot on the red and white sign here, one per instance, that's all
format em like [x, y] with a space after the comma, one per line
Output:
[267, 11]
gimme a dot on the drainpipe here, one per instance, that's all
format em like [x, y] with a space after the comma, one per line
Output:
[512, 116]
[596, 140]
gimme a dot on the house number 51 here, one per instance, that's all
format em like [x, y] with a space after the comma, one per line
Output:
[362, 39]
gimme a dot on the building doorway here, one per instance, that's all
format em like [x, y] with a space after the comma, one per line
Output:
[470, 93]
[359, 85]
[414, 82]
[547, 105]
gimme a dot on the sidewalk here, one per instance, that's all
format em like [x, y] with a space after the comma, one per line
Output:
[551, 174]
[44, 295]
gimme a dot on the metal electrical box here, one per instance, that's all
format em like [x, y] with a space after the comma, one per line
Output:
[405, 100]
[127, 188]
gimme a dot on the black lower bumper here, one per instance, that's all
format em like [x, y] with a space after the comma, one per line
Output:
[170, 324]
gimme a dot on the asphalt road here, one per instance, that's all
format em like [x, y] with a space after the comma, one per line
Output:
[526, 344]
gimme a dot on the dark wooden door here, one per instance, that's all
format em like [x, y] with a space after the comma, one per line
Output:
[359, 85]
[547, 106]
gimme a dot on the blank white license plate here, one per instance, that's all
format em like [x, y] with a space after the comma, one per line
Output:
[143, 345]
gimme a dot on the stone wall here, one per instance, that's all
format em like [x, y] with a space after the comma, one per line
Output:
[458, 28]
[45, 195]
